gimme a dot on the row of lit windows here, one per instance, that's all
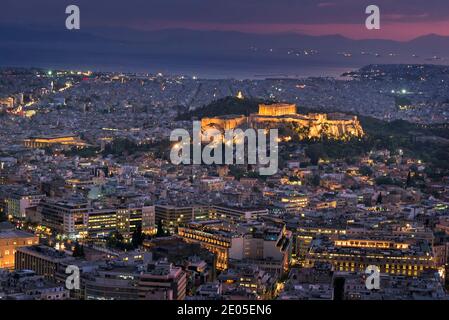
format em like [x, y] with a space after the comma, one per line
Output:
[9, 243]
[425, 259]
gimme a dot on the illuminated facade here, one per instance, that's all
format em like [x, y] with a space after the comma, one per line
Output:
[305, 236]
[311, 126]
[76, 219]
[293, 203]
[277, 109]
[163, 282]
[173, 216]
[67, 218]
[19, 202]
[355, 255]
[101, 223]
[237, 213]
[215, 242]
[223, 122]
[7, 102]
[269, 249]
[10, 240]
[45, 261]
[149, 220]
[118, 283]
[128, 220]
[46, 141]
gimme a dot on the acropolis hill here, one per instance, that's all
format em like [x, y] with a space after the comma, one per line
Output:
[335, 126]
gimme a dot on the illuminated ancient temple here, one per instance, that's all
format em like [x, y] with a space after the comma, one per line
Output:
[48, 140]
[336, 126]
[278, 109]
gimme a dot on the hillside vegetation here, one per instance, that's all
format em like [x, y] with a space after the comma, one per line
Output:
[428, 143]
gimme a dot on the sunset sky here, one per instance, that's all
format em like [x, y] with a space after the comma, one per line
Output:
[400, 19]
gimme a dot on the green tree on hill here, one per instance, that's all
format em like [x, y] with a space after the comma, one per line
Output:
[78, 251]
[160, 230]
[137, 237]
[225, 106]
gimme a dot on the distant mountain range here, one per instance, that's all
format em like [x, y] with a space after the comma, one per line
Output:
[179, 50]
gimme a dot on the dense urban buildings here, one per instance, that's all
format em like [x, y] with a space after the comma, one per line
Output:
[94, 207]
[106, 198]
[11, 240]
